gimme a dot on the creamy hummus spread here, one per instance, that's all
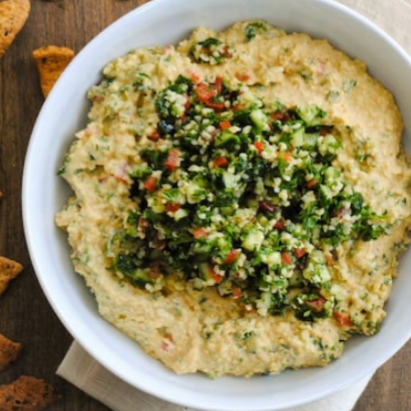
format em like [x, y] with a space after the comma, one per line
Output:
[240, 200]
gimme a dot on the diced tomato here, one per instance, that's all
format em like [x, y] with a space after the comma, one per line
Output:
[277, 116]
[343, 319]
[150, 184]
[267, 207]
[242, 76]
[160, 244]
[330, 260]
[220, 162]
[259, 145]
[236, 292]
[237, 107]
[232, 256]
[286, 258]
[154, 136]
[143, 224]
[312, 183]
[285, 156]
[225, 125]
[200, 233]
[280, 116]
[317, 305]
[204, 92]
[194, 77]
[217, 277]
[215, 106]
[170, 207]
[300, 252]
[280, 225]
[218, 85]
[173, 160]
[227, 53]
[188, 104]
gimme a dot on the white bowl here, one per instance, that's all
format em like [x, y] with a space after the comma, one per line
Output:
[164, 22]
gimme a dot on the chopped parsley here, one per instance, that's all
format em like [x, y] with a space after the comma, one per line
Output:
[243, 198]
[211, 51]
[252, 29]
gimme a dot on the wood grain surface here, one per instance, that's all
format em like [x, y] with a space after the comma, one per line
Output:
[25, 315]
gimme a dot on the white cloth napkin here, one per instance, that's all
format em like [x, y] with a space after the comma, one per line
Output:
[79, 368]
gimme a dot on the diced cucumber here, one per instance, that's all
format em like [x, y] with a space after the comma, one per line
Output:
[195, 194]
[205, 271]
[312, 115]
[326, 192]
[141, 275]
[316, 273]
[310, 140]
[201, 181]
[231, 180]
[274, 259]
[225, 288]
[331, 175]
[297, 138]
[317, 256]
[226, 138]
[179, 214]
[140, 171]
[309, 199]
[199, 284]
[264, 303]
[227, 211]
[259, 119]
[253, 240]
[329, 145]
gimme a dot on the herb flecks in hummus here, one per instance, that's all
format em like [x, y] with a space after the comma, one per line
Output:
[240, 201]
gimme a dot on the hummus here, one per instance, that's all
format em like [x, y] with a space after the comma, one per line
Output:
[240, 200]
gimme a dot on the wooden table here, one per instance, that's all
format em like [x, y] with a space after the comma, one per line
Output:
[25, 315]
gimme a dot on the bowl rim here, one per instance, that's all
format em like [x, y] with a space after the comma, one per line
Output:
[82, 340]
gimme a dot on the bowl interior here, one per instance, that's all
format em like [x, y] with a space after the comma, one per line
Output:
[64, 113]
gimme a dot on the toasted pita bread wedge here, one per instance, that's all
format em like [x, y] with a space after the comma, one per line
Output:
[9, 352]
[27, 394]
[51, 61]
[13, 15]
[9, 270]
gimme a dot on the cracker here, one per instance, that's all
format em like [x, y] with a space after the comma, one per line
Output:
[27, 394]
[51, 61]
[9, 270]
[13, 15]
[9, 352]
